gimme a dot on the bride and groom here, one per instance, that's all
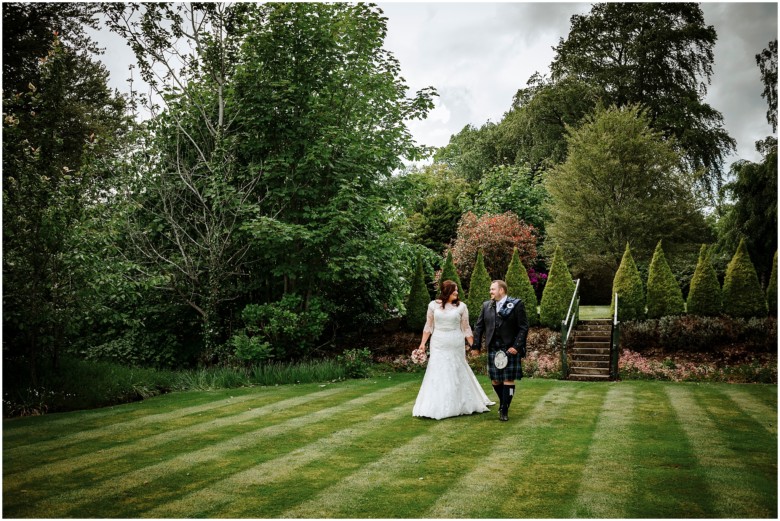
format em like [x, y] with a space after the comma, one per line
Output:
[449, 387]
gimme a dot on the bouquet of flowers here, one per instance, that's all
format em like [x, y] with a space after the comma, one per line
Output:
[419, 357]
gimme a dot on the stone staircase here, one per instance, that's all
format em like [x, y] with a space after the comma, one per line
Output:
[589, 350]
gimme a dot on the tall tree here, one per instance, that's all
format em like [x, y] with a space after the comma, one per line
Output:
[767, 63]
[621, 182]
[659, 55]
[59, 114]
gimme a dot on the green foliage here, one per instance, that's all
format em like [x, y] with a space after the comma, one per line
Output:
[282, 329]
[622, 181]
[470, 152]
[767, 64]
[449, 272]
[417, 303]
[771, 290]
[659, 56]
[631, 294]
[357, 362]
[664, 296]
[742, 293]
[479, 288]
[510, 189]
[557, 292]
[705, 297]
[753, 217]
[519, 285]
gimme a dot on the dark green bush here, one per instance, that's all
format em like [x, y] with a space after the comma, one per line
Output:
[664, 296]
[450, 272]
[628, 285]
[519, 285]
[557, 293]
[771, 291]
[479, 288]
[357, 362]
[705, 296]
[417, 303]
[742, 293]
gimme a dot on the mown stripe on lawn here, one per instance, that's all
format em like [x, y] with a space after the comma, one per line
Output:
[60, 505]
[487, 483]
[225, 491]
[607, 484]
[23, 451]
[93, 458]
[350, 497]
[722, 466]
[753, 407]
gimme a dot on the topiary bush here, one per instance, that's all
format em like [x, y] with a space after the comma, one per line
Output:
[519, 285]
[449, 272]
[417, 303]
[742, 293]
[705, 297]
[771, 290]
[479, 288]
[664, 296]
[557, 292]
[628, 285]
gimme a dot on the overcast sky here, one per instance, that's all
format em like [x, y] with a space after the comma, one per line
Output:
[477, 55]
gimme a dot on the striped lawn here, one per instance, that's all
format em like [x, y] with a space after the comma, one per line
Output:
[353, 450]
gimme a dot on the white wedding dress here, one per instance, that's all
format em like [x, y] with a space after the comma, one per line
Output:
[449, 387]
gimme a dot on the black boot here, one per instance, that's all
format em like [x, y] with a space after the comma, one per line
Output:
[509, 392]
[499, 388]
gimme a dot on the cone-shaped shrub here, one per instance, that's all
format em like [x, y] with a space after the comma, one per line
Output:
[771, 290]
[448, 272]
[742, 293]
[628, 285]
[704, 296]
[519, 285]
[664, 296]
[417, 303]
[557, 292]
[479, 288]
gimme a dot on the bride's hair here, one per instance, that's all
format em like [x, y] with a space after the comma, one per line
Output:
[447, 287]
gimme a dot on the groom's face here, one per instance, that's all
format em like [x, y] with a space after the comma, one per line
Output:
[496, 293]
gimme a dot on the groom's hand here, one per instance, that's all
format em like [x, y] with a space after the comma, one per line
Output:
[512, 351]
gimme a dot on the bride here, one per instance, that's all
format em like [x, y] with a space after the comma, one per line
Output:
[449, 387]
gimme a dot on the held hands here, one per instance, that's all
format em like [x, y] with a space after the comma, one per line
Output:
[512, 351]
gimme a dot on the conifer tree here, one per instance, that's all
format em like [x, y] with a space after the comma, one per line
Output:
[519, 285]
[771, 291]
[417, 303]
[742, 293]
[704, 296]
[664, 296]
[628, 285]
[449, 272]
[557, 293]
[479, 288]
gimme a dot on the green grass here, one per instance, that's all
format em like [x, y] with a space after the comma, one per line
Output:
[352, 449]
[594, 312]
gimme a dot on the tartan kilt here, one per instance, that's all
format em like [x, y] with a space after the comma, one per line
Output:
[512, 371]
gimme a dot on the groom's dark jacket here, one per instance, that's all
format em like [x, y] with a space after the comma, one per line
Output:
[510, 331]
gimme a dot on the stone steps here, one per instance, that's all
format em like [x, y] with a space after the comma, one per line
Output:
[590, 350]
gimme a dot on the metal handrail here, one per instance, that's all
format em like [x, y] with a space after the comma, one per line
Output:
[567, 325]
[614, 348]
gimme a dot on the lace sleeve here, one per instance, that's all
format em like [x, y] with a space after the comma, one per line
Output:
[464, 322]
[429, 321]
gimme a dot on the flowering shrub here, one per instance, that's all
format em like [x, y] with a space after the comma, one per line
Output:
[400, 364]
[537, 365]
[496, 236]
[634, 366]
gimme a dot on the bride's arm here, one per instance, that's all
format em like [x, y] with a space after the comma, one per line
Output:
[428, 329]
[465, 327]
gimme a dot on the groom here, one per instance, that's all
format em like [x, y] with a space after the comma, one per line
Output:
[505, 326]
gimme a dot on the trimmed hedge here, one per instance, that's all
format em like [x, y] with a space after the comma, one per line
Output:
[664, 296]
[519, 285]
[628, 285]
[479, 288]
[742, 293]
[449, 272]
[705, 296]
[418, 300]
[557, 292]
